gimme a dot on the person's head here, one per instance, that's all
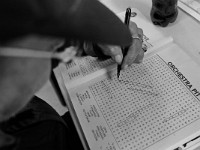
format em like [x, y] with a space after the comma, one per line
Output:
[42, 26]
[21, 77]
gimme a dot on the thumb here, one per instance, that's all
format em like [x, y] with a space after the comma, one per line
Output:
[114, 52]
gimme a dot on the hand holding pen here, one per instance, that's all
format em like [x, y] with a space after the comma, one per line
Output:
[124, 57]
[133, 53]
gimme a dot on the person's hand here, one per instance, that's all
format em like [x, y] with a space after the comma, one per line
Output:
[135, 53]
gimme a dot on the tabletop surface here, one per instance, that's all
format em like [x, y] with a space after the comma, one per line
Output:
[185, 30]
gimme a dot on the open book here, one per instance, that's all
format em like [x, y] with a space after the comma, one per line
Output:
[154, 105]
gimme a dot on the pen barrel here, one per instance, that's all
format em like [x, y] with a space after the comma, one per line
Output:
[126, 22]
[124, 50]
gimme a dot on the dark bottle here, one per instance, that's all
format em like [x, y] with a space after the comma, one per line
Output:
[164, 12]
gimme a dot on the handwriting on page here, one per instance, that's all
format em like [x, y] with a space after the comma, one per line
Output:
[140, 87]
[145, 105]
[134, 115]
[146, 44]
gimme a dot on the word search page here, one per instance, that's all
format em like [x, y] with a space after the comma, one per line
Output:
[150, 103]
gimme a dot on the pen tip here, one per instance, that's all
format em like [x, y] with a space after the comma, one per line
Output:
[118, 76]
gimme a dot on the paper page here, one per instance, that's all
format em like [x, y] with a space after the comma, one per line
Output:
[153, 39]
[192, 7]
[154, 105]
[84, 69]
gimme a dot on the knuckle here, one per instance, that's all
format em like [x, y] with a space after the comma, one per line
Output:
[133, 27]
[130, 60]
[140, 30]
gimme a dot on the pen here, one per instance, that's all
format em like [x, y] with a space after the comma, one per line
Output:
[124, 50]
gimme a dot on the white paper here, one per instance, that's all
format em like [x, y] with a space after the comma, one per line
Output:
[153, 106]
[148, 105]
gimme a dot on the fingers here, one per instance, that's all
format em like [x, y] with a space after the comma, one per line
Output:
[135, 53]
[106, 50]
[139, 58]
[114, 51]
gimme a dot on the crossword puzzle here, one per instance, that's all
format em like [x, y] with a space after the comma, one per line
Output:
[147, 99]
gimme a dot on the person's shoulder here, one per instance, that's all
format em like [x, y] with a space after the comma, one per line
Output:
[7, 142]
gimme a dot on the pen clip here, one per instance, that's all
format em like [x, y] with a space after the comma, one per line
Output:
[127, 19]
[127, 16]
[126, 22]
